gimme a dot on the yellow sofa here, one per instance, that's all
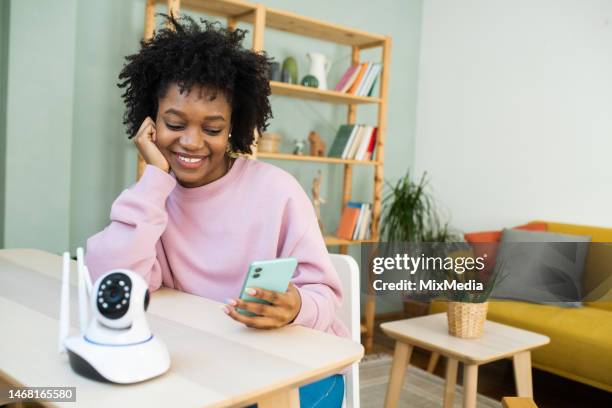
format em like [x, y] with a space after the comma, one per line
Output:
[580, 338]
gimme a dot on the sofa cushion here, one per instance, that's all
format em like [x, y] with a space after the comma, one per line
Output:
[580, 338]
[541, 267]
[597, 277]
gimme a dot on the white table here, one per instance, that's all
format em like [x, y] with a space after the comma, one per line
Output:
[216, 362]
[431, 333]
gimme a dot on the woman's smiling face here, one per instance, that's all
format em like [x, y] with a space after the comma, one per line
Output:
[192, 131]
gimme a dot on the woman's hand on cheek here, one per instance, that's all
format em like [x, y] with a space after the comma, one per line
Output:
[282, 310]
[146, 143]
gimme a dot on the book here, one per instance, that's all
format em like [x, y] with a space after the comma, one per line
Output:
[347, 148]
[348, 220]
[369, 80]
[362, 70]
[372, 146]
[345, 77]
[366, 74]
[373, 86]
[351, 79]
[356, 142]
[340, 141]
[361, 207]
[365, 143]
[364, 226]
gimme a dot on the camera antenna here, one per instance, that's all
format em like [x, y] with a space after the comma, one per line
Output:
[84, 288]
[64, 302]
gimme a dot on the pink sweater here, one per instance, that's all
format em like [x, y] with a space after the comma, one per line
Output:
[202, 240]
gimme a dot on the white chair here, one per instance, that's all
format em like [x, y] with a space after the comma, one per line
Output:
[350, 314]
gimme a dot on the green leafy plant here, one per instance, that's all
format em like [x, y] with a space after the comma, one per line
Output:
[409, 214]
[496, 276]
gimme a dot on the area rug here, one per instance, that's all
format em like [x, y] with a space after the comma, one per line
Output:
[420, 390]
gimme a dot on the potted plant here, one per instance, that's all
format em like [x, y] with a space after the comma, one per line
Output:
[410, 216]
[467, 309]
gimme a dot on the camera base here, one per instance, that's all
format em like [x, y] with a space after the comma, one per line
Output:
[115, 363]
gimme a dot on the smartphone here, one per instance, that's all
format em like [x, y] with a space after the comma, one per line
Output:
[271, 275]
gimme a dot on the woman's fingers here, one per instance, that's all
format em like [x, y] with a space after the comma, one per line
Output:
[145, 129]
[256, 322]
[276, 298]
[260, 309]
[145, 141]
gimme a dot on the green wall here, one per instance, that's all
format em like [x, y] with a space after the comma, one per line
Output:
[4, 41]
[67, 154]
[39, 124]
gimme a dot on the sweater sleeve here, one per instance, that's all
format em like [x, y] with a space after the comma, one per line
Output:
[132, 240]
[315, 279]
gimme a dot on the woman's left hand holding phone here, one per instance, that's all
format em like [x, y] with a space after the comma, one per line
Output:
[282, 310]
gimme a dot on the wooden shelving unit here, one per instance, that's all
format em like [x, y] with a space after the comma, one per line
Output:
[262, 18]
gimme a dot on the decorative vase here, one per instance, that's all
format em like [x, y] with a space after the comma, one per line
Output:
[275, 71]
[311, 81]
[319, 67]
[466, 320]
[290, 66]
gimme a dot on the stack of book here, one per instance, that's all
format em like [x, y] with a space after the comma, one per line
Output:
[355, 221]
[359, 79]
[355, 142]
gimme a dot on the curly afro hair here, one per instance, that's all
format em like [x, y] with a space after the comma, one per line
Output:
[209, 55]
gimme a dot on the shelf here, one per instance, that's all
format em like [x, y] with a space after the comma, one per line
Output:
[225, 8]
[305, 92]
[333, 241]
[286, 21]
[310, 27]
[333, 160]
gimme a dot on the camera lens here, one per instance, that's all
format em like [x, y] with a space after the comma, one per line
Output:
[256, 275]
[114, 296]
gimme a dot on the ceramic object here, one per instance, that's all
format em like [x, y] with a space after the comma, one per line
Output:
[290, 65]
[311, 81]
[319, 68]
[285, 76]
[275, 71]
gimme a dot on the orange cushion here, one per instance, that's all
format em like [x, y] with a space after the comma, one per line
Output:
[495, 236]
[487, 241]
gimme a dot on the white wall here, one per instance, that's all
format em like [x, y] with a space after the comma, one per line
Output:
[514, 117]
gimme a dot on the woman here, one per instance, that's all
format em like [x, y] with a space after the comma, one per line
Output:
[199, 215]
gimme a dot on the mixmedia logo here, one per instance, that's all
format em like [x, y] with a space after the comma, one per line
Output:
[459, 264]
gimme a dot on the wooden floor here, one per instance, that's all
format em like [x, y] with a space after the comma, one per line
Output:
[496, 379]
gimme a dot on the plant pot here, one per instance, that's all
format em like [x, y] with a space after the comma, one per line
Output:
[466, 320]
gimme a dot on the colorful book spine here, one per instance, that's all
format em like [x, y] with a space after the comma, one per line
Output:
[348, 221]
[348, 74]
[372, 146]
[351, 141]
[369, 80]
[341, 140]
[354, 87]
[351, 80]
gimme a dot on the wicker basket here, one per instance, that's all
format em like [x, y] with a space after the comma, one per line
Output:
[269, 143]
[466, 320]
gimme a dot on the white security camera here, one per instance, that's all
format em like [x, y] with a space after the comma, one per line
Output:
[117, 344]
[119, 299]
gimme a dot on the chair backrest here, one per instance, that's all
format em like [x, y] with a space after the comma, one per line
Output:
[350, 314]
